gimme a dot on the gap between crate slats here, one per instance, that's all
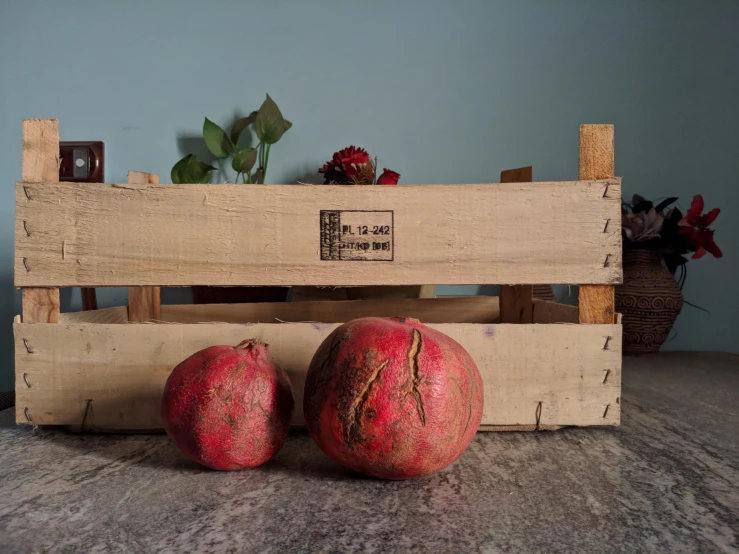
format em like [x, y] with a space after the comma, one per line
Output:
[473, 309]
[122, 369]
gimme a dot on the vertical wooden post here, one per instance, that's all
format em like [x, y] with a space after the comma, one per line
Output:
[144, 303]
[597, 161]
[40, 165]
[526, 175]
[89, 299]
[517, 301]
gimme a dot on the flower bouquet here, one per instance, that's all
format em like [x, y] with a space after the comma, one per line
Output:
[657, 240]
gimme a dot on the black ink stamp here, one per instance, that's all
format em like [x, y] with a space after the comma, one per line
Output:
[357, 235]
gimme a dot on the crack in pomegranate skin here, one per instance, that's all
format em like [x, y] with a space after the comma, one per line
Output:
[413, 353]
[395, 399]
[469, 417]
[354, 421]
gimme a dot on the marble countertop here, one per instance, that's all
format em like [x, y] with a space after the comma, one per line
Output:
[665, 481]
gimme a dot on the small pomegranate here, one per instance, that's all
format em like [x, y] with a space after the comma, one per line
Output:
[228, 407]
[392, 398]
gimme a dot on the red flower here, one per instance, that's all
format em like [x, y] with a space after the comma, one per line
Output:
[348, 166]
[694, 217]
[388, 177]
[694, 227]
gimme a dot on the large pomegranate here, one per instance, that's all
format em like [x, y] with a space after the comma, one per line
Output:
[228, 407]
[392, 398]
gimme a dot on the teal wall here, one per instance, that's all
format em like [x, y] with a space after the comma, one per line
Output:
[442, 91]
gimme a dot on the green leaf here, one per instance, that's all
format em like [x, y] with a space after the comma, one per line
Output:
[240, 125]
[270, 125]
[244, 159]
[190, 170]
[216, 140]
[178, 170]
[197, 171]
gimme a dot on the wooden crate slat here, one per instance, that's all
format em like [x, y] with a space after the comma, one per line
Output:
[88, 234]
[548, 375]
[473, 309]
[554, 312]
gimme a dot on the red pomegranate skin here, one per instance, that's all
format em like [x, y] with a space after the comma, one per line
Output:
[392, 398]
[228, 407]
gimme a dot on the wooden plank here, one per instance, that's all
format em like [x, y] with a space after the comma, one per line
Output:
[40, 164]
[89, 299]
[40, 305]
[40, 151]
[143, 178]
[597, 161]
[118, 315]
[472, 309]
[518, 428]
[517, 301]
[144, 303]
[554, 312]
[597, 304]
[125, 235]
[533, 374]
[516, 304]
[518, 175]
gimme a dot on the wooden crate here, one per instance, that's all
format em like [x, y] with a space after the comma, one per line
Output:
[544, 365]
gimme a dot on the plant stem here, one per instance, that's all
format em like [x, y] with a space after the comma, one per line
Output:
[266, 162]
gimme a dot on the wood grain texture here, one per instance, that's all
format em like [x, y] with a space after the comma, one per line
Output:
[144, 303]
[547, 374]
[472, 309]
[516, 304]
[118, 314]
[124, 235]
[40, 164]
[597, 161]
[517, 301]
[554, 312]
[40, 305]
[597, 304]
[40, 151]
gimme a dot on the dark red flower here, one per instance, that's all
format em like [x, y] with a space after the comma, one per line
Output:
[694, 217]
[694, 227]
[348, 166]
[388, 177]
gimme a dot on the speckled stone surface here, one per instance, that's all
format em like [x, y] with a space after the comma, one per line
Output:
[666, 481]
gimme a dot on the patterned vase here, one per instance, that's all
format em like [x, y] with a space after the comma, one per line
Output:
[650, 301]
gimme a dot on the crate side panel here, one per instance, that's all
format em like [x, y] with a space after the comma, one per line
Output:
[471, 309]
[89, 234]
[122, 369]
